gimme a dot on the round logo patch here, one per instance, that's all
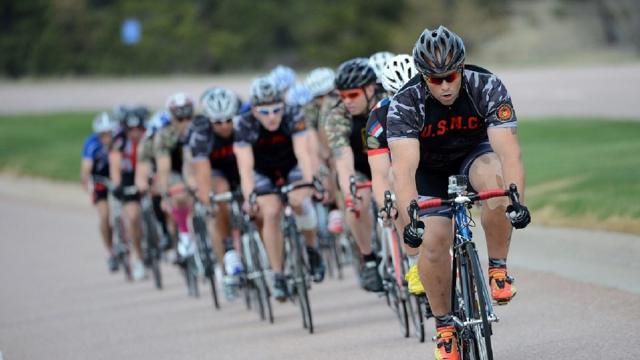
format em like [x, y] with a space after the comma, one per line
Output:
[504, 112]
[373, 142]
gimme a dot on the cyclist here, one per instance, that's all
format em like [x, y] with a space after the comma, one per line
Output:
[122, 165]
[171, 154]
[284, 77]
[321, 85]
[378, 61]
[345, 127]
[215, 169]
[271, 150]
[94, 170]
[146, 169]
[448, 121]
[398, 71]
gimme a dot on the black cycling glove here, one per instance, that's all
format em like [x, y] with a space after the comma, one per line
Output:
[519, 216]
[118, 192]
[413, 236]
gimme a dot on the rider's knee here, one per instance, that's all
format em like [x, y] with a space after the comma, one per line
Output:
[306, 218]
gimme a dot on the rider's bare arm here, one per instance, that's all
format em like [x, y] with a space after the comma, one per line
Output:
[202, 176]
[380, 165]
[85, 172]
[344, 166]
[244, 158]
[406, 156]
[163, 169]
[115, 158]
[504, 142]
[305, 158]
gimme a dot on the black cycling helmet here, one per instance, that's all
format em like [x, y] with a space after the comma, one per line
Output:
[134, 119]
[355, 73]
[438, 51]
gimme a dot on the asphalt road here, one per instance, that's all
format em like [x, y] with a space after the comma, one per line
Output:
[603, 91]
[579, 298]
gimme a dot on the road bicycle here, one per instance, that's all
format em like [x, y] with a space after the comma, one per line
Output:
[247, 242]
[471, 303]
[296, 263]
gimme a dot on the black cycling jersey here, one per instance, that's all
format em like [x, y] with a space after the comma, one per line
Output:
[129, 151]
[205, 144]
[272, 150]
[358, 142]
[449, 133]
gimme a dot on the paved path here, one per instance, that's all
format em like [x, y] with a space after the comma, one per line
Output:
[578, 298]
[607, 91]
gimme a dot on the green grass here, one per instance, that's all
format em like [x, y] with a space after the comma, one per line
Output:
[44, 145]
[583, 166]
[579, 168]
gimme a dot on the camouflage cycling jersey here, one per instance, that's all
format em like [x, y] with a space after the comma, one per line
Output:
[330, 101]
[168, 141]
[145, 153]
[449, 133]
[344, 129]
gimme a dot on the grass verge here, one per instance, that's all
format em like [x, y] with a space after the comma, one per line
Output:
[580, 172]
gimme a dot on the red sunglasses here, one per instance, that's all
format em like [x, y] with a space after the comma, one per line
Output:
[350, 94]
[439, 80]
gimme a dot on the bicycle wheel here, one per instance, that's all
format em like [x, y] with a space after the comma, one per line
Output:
[417, 314]
[397, 293]
[191, 276]
[121, 249]
[300, 277]
[152, 249]
[206, 256]
[260, 278]
[481, 331]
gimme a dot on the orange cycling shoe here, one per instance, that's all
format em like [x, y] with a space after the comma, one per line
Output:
[447, 344]
[501, 289]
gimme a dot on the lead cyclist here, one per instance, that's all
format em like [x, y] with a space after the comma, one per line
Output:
[449, 120]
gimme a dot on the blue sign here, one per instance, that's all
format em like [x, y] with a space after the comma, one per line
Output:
[131, 31]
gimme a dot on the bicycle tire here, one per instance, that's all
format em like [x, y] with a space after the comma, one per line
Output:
[301, 278]
[190, 272]
[481, 332]
[122, 250]
[152, 247]
[417, 314]
[400, 292]
[200, 228]
[260, 281]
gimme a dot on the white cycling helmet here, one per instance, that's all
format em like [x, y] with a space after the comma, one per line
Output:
[321, 81]
[219, 103]
[378, 62]
[102, 123]
[398, 71]
[264, 91]
[298, 95]
[284, 77]
[180, 105]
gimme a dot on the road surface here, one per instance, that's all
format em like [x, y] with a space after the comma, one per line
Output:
[579, 298]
